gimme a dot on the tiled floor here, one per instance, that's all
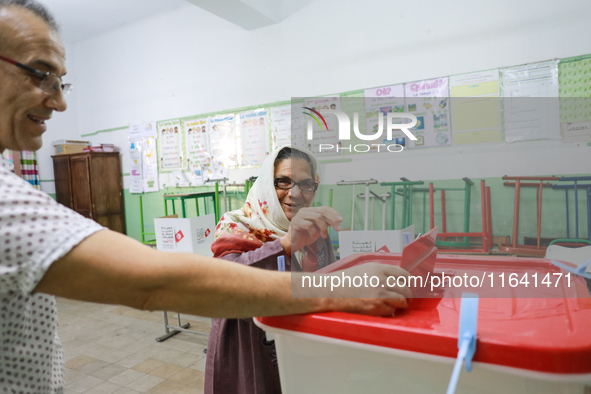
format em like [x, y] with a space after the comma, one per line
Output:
[112, 349]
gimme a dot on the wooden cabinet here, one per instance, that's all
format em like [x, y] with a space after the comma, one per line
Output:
[90, 184]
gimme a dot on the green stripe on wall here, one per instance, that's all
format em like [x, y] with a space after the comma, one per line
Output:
[575, 58]
[105, 131]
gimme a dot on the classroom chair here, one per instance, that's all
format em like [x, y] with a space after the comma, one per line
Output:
[464, 245]
[526, 250]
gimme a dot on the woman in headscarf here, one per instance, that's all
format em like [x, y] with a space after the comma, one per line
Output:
[240, 359]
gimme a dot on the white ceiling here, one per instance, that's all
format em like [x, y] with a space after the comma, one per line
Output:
[82, 19]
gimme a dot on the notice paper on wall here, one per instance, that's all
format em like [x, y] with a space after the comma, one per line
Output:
[576, 132]
[428, 101]
[326, 134]
[281, 125]
[254, 137]
[222, 140]
[142, 129]
[379, 102]
[352, 242]
[143, 161]
[150, 165]
[475, 107]
[169, 136]
[530, 102]
[135, 168]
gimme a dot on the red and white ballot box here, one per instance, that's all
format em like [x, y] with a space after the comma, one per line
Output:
[525, 342]
[193, 235]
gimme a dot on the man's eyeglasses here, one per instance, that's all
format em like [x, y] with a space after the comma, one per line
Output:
[305, 186]
[50, 82]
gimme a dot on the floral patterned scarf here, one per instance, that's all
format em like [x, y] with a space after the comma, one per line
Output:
[260, 220]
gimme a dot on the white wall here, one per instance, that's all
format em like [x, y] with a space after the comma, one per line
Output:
[188, 62]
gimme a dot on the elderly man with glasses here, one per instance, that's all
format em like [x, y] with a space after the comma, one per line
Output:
[47, 249]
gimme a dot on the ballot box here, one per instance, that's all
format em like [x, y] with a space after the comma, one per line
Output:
[192, 235]
[528, 340]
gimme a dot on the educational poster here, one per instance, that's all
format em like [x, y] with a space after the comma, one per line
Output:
[378, 103]
[429, 102]
[254, 136]
[196, 142]
[140, 135]
[281, 126]
[322, 133]
[135, 168]
[475, 107]
[530, 102]
[575, 99]
[171, 155]
[222, 140]
[149, 165]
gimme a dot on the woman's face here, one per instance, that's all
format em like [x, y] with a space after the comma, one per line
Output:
[292, 200]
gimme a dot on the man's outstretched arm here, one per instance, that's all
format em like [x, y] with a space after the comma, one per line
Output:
[108, 267]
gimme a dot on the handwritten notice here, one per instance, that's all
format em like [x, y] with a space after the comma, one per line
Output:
[576, 132]
[171, 156]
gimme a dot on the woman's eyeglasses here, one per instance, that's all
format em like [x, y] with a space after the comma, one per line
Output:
[305, 186]
[50, 83]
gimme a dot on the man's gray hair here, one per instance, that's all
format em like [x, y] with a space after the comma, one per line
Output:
[37, 8]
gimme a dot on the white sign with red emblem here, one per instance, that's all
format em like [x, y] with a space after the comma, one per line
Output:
[193, 235]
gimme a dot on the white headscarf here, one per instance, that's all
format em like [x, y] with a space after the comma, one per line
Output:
[261, 218]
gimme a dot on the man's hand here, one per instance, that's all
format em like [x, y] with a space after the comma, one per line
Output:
[308, 225]
[361, 289]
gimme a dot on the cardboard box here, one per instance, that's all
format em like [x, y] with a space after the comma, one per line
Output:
[193, 235]
[68, 148]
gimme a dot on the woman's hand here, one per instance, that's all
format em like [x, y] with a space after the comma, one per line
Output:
[308, 225]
